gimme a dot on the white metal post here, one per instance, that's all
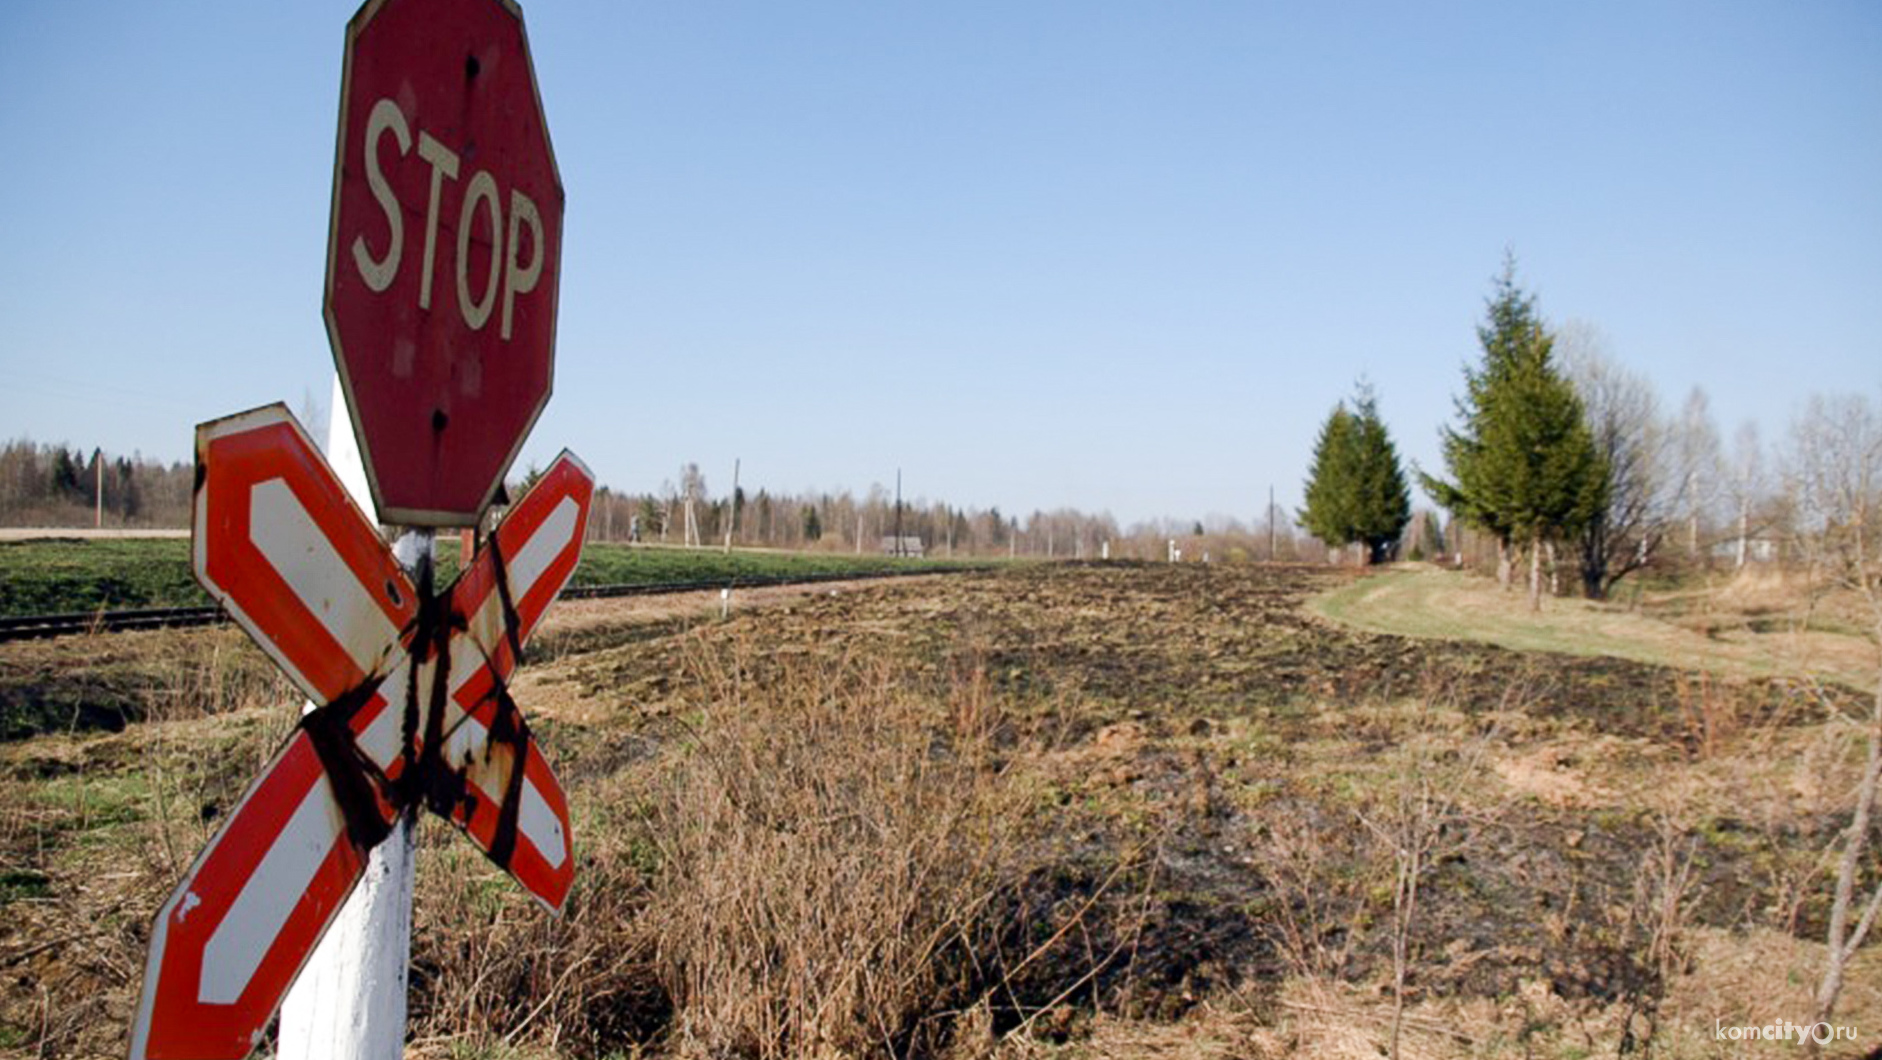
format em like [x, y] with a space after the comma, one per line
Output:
[349, 1001]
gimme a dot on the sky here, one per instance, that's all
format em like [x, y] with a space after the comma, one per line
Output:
[1120, 257]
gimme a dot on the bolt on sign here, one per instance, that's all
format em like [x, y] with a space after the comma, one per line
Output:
[443, 253]
[415, 712]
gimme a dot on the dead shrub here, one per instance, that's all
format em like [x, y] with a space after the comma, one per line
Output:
[490, 967]
[830, 846]
[1320, 872]
[1709, 711]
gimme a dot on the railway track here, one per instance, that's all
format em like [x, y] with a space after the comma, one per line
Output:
[30, 627]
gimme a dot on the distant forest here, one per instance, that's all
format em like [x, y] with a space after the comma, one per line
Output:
[53, 485]
[62, 486]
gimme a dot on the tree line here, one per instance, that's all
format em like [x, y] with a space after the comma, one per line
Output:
[684, 511]
[1560, 462]
[61, 486]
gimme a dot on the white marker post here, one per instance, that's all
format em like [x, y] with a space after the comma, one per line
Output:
[349, 1001]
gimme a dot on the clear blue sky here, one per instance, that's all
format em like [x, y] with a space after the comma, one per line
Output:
[1116, 256]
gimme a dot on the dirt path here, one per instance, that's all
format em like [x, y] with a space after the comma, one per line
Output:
[1753, 641]
[41, 533]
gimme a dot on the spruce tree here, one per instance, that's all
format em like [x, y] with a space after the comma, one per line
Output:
[1356, 491]
[1523, 462]
[1328, 512]
[1381, 500]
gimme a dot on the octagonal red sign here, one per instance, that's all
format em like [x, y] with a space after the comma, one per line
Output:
[443, 252]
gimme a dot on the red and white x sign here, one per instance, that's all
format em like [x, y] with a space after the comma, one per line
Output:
[414, 709]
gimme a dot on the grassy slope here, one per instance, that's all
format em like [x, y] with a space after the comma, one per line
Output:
[1435, 604]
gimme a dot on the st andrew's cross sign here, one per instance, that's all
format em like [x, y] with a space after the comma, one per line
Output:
[414, 710]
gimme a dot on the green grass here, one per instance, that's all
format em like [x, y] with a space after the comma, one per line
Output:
[99, 801]
[61, 576]
[1444, 605]
[18, 884]
[613, 564]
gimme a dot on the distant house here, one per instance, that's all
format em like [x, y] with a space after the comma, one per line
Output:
[1759, 548]
[902, 546]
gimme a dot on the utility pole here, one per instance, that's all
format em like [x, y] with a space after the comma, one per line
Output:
[731, 520]
[692, 525]
[899, 550]
[98, 465]
[1270, 522]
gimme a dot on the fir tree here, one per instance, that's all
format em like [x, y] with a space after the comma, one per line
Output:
[1381, 500]
[1523, 462]
[1328, 511]
[1356, 491]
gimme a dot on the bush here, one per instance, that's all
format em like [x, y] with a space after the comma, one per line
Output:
[831, 846]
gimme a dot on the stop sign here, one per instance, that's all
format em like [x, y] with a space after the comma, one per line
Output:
[442, 252]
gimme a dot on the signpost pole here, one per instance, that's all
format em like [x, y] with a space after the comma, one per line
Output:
[349, 1002]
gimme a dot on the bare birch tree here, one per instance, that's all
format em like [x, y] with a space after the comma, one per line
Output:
[1696, 459]
[1745, 486]
[1835, 478]
[1624, 416]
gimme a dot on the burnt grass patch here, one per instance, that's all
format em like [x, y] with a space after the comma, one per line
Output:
[102, 683]
[1190, 641]
[1149, 840]
[1170, 731]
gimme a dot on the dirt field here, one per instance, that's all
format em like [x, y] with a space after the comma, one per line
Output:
[1058, 811]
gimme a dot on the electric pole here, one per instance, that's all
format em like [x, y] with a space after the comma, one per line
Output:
[731, 522]
[1270, 523]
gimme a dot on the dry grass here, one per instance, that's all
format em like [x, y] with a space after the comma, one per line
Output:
[833, 851]
[805, 857]
[1061, 813]
[130, 677]
[811, 861]
[492, 972]
[96, 831]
